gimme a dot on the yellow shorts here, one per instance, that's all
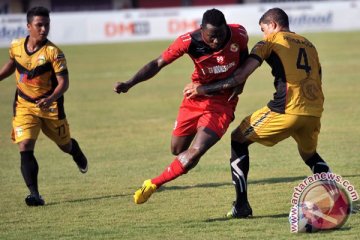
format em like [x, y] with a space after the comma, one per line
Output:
[268, 128]
[27, 126]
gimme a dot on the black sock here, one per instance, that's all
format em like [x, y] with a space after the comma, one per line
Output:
[75, 150]
[317, 164]
[239, 163]
[78, 155]
[29, 171]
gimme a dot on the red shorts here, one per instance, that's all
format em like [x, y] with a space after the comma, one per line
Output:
[212, 113]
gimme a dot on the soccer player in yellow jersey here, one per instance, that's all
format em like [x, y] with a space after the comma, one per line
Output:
[42, 79]
[294, 111]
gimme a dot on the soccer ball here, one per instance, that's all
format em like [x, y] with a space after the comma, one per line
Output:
[323, 206]
[307, 220]
[328, 204]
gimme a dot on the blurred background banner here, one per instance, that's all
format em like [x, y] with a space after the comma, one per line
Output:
[147, 20]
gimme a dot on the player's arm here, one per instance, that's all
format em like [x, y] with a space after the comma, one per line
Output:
[7, 69]
[145, 73]
[239, 88]
[239, 78]
[63, 85]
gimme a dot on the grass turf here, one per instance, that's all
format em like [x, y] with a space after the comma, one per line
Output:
[127, 140]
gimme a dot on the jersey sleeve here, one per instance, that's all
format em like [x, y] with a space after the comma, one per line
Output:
[58, 62]
[178, 48]
[261, 51]
[13, 45]
[244, 50]
[245, 38]
[11, 53]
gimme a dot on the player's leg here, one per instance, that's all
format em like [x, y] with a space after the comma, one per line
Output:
[315, 162]
[29, 171]
[59, 132]
[204, 139]
[185, 130]
[264, 127]
[239, 165]
[26, 129]
[73, 148]
[185, 126]
[306, 137]
[180, 143]
[194, 119]
[209, 127]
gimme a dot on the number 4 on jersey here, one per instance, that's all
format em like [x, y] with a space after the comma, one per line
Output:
[302, 61]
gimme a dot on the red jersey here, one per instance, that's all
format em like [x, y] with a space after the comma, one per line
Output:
[215, 112]
[209, 64]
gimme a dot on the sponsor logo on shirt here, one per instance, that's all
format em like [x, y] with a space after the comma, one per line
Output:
[220, 59]
[220, 68]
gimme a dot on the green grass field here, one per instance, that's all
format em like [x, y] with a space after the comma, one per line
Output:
[127, 140]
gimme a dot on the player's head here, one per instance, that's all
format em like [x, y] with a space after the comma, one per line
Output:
[214, 28]
[38, 22]
[274, 20]
[37, 11]
[214, 17]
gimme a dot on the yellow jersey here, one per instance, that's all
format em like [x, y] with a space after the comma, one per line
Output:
[295, 65]
[36, 75]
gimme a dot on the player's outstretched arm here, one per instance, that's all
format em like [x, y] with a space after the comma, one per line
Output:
[7, 69]
[145, 73]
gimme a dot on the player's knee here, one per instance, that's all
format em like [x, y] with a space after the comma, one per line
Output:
[237, 135]
[27, 145]
[190, 158]
[176, 150]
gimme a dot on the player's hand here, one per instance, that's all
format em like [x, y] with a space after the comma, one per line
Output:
[121, 87]
[192, 90]
[44, 103]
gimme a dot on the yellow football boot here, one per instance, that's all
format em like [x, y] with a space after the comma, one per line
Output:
[144, 193]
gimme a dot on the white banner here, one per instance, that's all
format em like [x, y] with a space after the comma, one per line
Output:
[168, 23]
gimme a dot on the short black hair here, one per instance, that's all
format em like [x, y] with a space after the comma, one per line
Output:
[36, 11]
[214, 17]
[277, 15]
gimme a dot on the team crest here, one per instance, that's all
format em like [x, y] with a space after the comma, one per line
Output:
[19, 131]
[41, 60]
[234, 47]
[309, 89]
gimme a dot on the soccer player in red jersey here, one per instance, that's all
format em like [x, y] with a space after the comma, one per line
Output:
[217, 49]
